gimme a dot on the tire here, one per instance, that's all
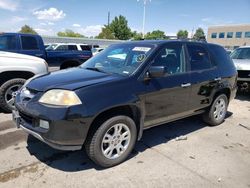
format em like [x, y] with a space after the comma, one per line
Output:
[214, 118]
[95, 145]
[6, 90]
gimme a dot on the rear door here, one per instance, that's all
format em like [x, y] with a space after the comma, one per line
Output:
[203, 75]
[167, 97]
[30, 46]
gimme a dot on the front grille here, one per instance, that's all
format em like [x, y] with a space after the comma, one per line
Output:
[28, 119]
[243, 74]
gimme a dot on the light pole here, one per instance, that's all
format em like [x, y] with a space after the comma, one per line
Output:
[144, 16]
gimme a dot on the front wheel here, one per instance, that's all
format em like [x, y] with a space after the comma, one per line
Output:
[217, 112]
[6, 93]
[112, 142]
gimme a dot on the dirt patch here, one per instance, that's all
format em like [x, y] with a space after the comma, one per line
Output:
[12, 138]
[12, 174]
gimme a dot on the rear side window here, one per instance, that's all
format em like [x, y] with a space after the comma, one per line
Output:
[7, 42]
[72, 47]
[219, 55]
[198, 57]
[86, 47]
[29, 43]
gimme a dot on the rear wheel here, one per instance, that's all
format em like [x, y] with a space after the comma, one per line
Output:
[6, 93]
[217, 112]
[112, 142]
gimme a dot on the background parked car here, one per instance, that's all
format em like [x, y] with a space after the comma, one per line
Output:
[69, 46]
[33, 45]
[15, 69]
[241, 59]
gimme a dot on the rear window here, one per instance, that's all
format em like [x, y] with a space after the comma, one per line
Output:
[198, 57]
[7, 42]
[29, 43]
[86, 47]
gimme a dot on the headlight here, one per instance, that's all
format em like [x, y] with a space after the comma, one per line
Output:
[60, 97]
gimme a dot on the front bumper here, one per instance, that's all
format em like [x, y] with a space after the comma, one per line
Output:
[67, 126]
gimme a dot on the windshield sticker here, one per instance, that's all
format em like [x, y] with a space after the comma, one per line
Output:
[125, 72]
[140, 58]
[141, 49]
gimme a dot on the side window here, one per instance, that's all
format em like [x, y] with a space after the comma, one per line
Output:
[29, 43]
[62, 48]
[172, 58]
[7, 42]
[198, 57]
[72, 47]
[86, 47]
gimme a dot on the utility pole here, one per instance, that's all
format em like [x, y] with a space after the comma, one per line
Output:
[144, 16]
[108, 17]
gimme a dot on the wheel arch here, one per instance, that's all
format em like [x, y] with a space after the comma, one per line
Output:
[131, 110]
[70, 63]
[8, 75]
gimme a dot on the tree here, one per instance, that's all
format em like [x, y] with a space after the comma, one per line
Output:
[106, 33]
[199, 34]
[119, 26]
[136, 36]
[27, 29]
[182, 34]
[69, 33]
[157, 34]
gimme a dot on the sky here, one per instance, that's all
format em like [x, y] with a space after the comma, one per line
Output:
[87, 17]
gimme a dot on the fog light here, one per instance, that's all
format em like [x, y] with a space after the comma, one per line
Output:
[44, 124]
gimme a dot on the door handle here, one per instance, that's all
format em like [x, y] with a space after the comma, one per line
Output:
[217, 79]
[186, 85]
[39, 55]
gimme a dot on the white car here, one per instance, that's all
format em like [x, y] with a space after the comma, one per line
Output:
[69, 46]
[241, 59]
[15, 69]
[96, 50]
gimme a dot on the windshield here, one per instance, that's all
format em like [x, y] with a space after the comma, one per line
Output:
[121, 59]
[241, 53]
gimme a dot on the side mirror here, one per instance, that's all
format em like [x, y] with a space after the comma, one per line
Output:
[156, 72]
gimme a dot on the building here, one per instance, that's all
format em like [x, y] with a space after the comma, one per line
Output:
[229, 36]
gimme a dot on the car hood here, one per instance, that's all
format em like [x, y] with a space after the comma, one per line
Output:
[71, 79]
[242, 64]
[4, 54]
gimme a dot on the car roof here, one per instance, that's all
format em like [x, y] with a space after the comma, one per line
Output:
[161, 42]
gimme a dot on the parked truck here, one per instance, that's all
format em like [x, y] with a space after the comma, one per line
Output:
[30, 44]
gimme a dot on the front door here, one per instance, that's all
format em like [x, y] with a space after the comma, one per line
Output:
[167, 97]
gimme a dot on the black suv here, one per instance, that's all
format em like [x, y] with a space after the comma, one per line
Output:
[106, 103]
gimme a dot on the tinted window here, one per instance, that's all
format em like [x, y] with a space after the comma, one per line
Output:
[230, 35]
[221, 35]
[214, 35]
[7, 42]
[62, 47]
[85, 47]
[219, 54]
[172, 58]
[238, 34]
[198, 57]
[247, 34]
[72, 47]
[29, 43]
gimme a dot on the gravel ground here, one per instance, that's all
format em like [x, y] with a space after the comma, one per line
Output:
[209, 157]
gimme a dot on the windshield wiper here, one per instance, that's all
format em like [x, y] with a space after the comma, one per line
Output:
[95, 69]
